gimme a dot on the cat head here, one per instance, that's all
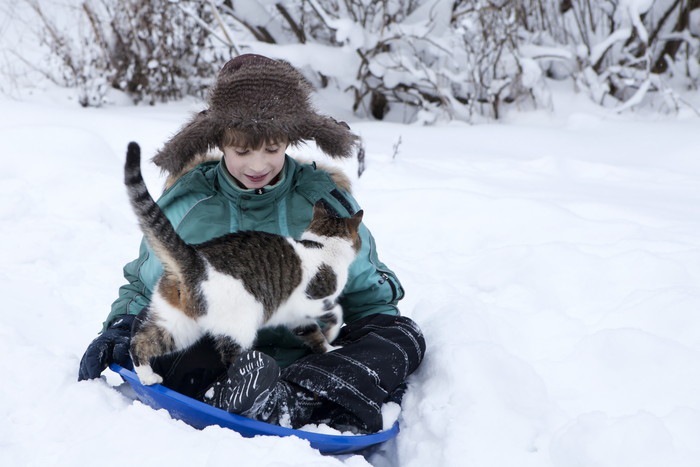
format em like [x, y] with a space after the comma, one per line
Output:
[327, 223]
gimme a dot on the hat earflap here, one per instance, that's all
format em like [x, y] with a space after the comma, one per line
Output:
[196, 137]
[332, 137]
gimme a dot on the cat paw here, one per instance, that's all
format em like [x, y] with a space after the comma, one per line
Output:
[147, 376]
[331, 348]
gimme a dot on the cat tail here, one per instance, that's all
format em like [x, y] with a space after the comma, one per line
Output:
[170, 248]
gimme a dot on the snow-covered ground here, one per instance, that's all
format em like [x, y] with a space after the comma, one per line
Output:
[553, 261]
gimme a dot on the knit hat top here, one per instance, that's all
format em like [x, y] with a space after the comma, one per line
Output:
[263, 99]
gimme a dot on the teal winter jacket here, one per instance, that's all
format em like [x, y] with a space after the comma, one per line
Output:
[206, 203]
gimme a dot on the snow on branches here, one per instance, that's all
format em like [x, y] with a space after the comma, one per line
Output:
[403, 60]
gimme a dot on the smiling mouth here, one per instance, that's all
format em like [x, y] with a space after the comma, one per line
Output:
[258, 178]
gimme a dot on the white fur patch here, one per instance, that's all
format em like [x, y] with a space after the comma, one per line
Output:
[231, 310]
[299, 309]
[185, 331]
[147, 376]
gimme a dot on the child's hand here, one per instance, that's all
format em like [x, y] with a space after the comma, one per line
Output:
[112, 346]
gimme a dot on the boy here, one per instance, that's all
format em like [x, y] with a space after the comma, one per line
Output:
[257, 108]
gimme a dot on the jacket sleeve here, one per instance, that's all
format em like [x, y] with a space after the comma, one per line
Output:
[141, 275]
[372, 287]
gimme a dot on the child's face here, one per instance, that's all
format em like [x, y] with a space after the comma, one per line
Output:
[255, 168]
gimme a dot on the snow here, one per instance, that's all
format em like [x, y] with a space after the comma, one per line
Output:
[552, 260]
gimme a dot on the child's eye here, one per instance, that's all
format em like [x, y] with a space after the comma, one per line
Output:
[272, 149]
[241, 152]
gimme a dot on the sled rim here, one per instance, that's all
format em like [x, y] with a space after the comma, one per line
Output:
[200, 415]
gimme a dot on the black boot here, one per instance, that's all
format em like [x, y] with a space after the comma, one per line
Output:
[252, 388]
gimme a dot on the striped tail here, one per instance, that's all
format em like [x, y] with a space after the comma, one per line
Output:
[175, 255]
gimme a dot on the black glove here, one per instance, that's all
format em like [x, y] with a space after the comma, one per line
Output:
[112, 346]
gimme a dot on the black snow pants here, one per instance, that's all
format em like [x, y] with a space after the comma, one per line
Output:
[378, 353]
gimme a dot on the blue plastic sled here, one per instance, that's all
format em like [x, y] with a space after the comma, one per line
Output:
[200, 415]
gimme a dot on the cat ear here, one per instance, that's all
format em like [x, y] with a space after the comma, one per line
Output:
[356, 219]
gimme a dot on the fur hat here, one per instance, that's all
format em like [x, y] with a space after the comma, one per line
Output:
[264, 99]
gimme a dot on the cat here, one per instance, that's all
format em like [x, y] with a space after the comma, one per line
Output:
[231, 286]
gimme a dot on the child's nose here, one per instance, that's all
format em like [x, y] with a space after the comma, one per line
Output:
[257, 162]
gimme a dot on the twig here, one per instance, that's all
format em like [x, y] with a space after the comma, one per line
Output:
[224, 28]
[360, 160]
[224, 40]
[298, 31]
[396, 148]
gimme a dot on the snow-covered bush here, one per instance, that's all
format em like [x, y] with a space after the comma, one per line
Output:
[403, 60]
[470, 59]
[75, 59]
[416, 59]
[157, 49]
[154, 51]
[619, 51]
[443, 59]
